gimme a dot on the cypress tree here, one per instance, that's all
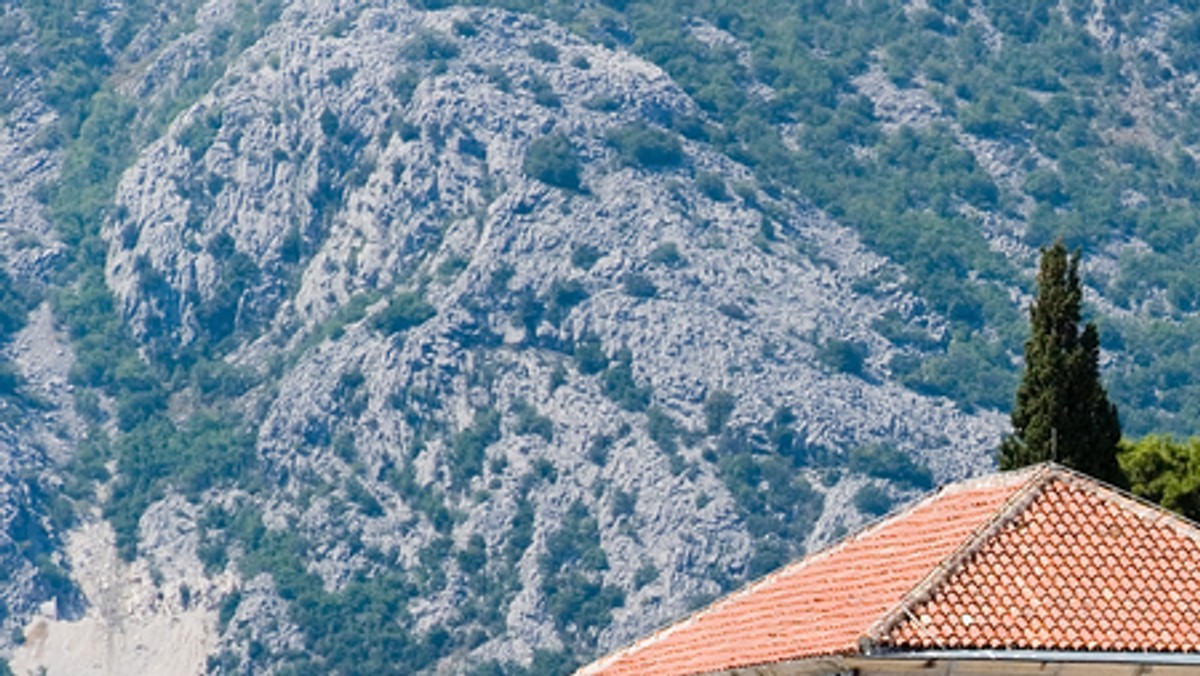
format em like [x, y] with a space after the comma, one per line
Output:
[1062, 411]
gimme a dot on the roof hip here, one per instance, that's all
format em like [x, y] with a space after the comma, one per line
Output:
[1031, 488]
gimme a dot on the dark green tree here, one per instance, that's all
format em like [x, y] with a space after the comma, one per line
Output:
[1166, 471]
[1062, 411]
[552, 160]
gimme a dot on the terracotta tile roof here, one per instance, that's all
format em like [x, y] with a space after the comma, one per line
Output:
[823, 604]
[1079, 567]
[1038, 559]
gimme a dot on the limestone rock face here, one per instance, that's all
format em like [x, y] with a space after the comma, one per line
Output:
[388, 157]
[443, 345]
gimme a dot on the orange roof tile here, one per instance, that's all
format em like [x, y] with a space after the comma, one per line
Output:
[1080, 567]
[823, 604]
[1041, 559]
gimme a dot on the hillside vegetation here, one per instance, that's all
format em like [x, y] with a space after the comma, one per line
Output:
[484, 337]
[958, 138]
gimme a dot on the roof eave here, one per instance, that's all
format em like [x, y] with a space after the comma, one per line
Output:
[1019, 662]
[1007, 662]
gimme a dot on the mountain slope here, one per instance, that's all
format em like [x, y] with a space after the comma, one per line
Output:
[455, 339]
[500, 327]
[958, 137]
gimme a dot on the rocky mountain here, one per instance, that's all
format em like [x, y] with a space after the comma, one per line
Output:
[371, 336]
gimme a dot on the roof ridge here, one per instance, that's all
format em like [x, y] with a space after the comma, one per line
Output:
[1039, 476]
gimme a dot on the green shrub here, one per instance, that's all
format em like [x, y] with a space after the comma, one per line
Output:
[543, 51]
[543, 92]
[198, 136]
[210, 450]
[645, 575]
[359, 495]
[10, 380]
[639, 285]
[552, 160]
[521, 534]
[603, 104]
[893, 327]
[666, 254]
[431, 46]
[222, 315]
[228, 608]
[576, 597]
[364, 626]
[472, 147]
[529, 311]
[562, 296]
[466, 29]
[473, 557]
[15, 304]
[845, 356]
[748, 192]
[214, 554]
[733, 311]
[991, 384]
[775, 502]
[558, 377]
[501, 276]
[618, 384]
[662, 430]
[91, 166]
[786, 441]
[584, 256]
[624, 503]
[1046, 186]
[452, 267]
[647, 147]
[469, 446]
[871, 500]
[404, 85]
[718, 408]
[598, 450]
[529, 421]
[544, 470]
[340, 75]
[712, 186]
[884, 461]
[589, 356]
[405, 310]
[329, 123]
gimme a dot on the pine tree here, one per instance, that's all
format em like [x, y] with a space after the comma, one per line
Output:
[1062, 411]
